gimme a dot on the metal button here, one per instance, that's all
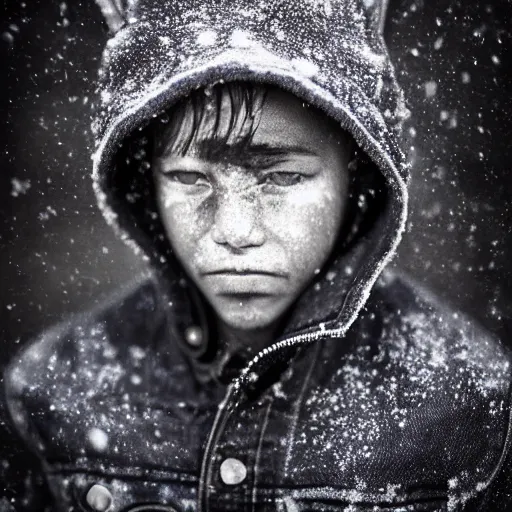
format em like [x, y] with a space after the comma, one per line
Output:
[233, 471]
[194, 336]
[99, 498]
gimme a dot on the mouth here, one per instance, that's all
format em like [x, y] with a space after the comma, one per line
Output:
[245, 296]
[244, 272]
[243, 284]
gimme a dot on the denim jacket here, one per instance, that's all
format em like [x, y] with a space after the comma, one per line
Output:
[409, 411]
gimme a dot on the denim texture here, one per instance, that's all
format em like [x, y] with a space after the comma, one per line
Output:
[384, 419]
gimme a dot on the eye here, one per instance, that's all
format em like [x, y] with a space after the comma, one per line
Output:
[282, 179]
[187, 177]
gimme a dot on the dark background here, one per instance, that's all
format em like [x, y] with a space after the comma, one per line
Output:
[57, 255]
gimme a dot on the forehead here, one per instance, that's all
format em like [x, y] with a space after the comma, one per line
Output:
[288, 121]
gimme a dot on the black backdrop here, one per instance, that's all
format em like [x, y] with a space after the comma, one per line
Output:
[57, 256]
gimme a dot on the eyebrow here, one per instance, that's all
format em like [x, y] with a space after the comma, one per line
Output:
[268, 150]
[248, 154]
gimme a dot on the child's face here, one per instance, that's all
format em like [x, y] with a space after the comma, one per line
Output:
[252, 228]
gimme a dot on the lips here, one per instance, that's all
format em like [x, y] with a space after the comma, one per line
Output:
[243, 272]
[246, 282]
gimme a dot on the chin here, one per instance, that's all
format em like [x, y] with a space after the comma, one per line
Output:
[247, 318]
[248, 321]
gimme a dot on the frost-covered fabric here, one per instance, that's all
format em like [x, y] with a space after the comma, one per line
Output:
[397, 405]
[409, 411]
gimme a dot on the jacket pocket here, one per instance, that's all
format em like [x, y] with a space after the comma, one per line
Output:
[288, 504]
[155, 491]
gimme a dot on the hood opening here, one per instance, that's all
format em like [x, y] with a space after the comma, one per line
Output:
[349, 107]
[133, 198]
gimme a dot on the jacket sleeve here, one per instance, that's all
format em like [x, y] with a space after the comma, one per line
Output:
[498, 496]
[22, 483]
[23, 486]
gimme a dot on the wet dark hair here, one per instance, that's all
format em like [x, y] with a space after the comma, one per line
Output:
[206, 108]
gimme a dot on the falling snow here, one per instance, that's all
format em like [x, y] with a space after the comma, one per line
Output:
[102, 393]
[19, 187]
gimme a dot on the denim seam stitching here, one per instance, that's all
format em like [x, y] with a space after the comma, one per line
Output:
[297, 408]
[258, 452]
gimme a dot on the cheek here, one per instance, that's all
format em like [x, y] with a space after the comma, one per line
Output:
[308, 215]
[306, 224]
[186, 220]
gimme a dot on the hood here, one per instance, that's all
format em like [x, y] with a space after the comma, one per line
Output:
[329, 53]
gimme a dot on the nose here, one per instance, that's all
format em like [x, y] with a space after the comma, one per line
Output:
[237, 222]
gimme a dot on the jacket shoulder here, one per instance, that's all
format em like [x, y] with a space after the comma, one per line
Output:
[416, 320]
[450, 368]
[417, 388]
[68, 354]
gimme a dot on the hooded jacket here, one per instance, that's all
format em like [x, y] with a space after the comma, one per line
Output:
[392, 403]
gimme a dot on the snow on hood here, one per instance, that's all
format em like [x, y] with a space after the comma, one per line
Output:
[330, 53]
